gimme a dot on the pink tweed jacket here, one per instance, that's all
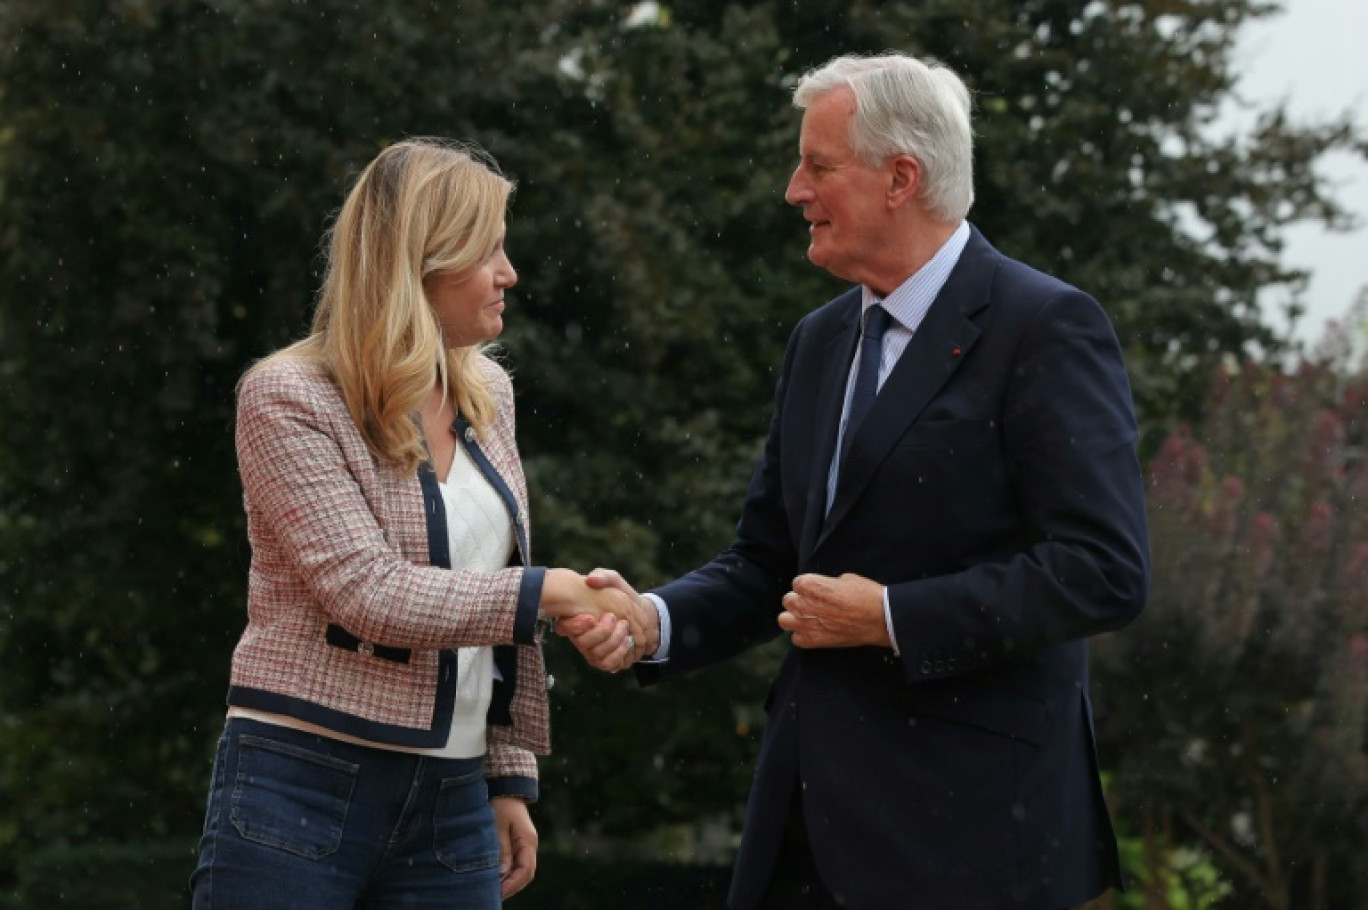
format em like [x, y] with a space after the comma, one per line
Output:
[351, 617]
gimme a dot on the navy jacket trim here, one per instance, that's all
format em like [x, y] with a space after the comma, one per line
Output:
[466, 434]
[529, 594]
[434, 510]
[350, 724]
[339, 637]
[439, 554]
[521, 787]
[529, 605]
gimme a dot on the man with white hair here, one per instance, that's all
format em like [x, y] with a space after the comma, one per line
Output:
[948, 504]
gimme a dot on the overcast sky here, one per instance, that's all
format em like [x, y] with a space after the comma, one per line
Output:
[1315, 55]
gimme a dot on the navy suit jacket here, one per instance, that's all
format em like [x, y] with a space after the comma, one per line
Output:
[994, 489]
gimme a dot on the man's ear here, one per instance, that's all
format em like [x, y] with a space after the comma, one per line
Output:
[905, 179]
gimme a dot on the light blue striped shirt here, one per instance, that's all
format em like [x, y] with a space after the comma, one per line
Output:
[908, 305]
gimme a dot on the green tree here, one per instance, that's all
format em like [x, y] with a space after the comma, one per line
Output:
[1237, 706]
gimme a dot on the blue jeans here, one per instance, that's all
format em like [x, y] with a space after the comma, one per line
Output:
[306, 822]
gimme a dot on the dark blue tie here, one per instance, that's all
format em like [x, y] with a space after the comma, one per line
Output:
[866, 374]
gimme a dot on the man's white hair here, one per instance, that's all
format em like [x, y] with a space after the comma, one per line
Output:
[906, 106]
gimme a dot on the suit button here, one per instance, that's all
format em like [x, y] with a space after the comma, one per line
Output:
[365, 649]
[471, 435]
[926, 667]
[550, 682]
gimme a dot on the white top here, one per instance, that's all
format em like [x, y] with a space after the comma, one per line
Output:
[479, 538]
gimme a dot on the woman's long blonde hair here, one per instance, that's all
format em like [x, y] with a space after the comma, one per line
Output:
[422, 206]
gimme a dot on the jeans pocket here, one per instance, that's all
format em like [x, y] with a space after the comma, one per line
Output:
[289, 797]
[463, 824]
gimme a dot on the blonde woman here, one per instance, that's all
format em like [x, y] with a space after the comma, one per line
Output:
[388, 693]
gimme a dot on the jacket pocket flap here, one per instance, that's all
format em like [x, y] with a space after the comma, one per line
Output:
[1002, 713]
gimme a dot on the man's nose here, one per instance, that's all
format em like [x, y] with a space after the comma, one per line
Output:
[798, 192]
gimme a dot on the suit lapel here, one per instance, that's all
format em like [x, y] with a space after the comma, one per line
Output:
[941, 343]
[833, 371]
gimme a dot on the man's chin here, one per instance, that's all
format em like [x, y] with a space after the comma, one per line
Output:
[820, 259]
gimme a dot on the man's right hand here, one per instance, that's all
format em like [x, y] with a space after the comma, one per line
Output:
[609, 643]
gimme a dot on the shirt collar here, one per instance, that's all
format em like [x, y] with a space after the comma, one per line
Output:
[910, 300]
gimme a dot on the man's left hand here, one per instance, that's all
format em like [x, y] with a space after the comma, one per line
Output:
[826, 612]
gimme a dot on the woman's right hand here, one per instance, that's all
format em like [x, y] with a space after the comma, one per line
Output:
[565, 594]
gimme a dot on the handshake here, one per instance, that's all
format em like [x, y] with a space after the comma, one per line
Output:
[614, 627]
[607, 620]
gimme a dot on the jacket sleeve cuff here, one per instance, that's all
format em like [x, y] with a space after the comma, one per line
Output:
[529, 604]
[524, 788]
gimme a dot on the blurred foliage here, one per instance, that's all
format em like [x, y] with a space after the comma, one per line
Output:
[1236, 708]
[168, 166]
[1161, 872]
[1163, 875]
[104, 876]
